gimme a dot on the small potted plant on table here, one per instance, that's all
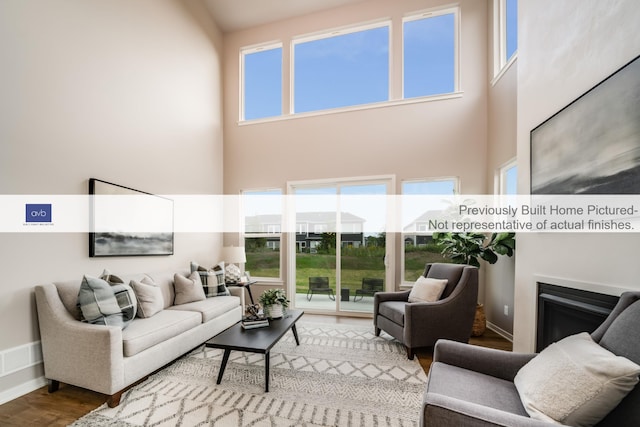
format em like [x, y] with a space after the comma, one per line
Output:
[274, 302]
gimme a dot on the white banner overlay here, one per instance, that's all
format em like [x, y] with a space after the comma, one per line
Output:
[318, 214]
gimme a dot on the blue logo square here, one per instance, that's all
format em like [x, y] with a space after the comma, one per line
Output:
[38, 212]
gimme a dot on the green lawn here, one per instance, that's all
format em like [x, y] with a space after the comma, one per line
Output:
[356, 264]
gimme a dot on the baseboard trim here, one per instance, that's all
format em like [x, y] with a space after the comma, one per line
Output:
[504, 334]
[22, 389]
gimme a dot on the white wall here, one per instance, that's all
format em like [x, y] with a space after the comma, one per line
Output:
[125, 91]
[502, 148]
[565, 48]
[411, 141]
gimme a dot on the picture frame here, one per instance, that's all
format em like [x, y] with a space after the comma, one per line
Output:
[592, 146]
[128, 222]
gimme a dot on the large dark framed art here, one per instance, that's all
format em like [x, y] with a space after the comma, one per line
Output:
[128, 222]
[592, 146]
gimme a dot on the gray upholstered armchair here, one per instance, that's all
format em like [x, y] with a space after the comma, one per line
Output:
[474, 386]
[421, 324]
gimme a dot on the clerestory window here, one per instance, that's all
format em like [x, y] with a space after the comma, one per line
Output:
[430, 53]
[341, 69]
[505, 30]
[261, 71]
[352, 67]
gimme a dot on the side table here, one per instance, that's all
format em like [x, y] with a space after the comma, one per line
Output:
[246, 285]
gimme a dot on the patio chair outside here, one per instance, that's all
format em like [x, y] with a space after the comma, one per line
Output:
[369, 287]
[319, 285]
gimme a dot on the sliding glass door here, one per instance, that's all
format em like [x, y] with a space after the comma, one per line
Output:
[340, 244]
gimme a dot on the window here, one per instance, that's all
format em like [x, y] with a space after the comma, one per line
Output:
[262, 214]
[429, 53]
[341, 69]
[351, 67]
[261, 70]
[418, 248]
[508, 179]
[505, 33]
[511, 23]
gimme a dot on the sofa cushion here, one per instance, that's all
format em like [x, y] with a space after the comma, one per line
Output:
[188, 289]
[427, 289]
[212, 280]
[106, 303]
[474, 387]
[393, 310]
[145, 333]
[575, 381]
[149, 296]
[210, 308]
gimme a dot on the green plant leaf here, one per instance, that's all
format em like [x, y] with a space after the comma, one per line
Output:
[489, 256]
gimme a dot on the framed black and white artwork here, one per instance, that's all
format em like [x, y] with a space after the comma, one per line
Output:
[128, 222]
[592, 146]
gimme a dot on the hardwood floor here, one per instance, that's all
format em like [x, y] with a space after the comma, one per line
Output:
[39, 408]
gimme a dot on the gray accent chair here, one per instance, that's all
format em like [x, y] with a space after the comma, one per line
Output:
[473, 386]
[421, 324]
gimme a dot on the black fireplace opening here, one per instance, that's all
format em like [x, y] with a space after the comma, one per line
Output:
[564, 311]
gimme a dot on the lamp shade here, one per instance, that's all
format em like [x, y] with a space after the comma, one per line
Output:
[234, 254]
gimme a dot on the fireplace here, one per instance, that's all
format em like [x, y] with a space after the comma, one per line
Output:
[564, 311]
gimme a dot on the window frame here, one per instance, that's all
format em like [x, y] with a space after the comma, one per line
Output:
[248, 50]
[404, 283]
[431, 13]
[500, 186]
[336, 32]
[500, 61]
[264, 233]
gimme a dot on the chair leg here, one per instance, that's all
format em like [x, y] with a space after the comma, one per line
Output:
[410, 353]
[377, 332]
[332, 297]
[309, 296]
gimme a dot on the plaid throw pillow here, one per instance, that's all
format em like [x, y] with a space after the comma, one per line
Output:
[212, 280]
[103, 302]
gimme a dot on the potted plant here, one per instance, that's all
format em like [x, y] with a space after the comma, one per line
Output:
[273, 302]
[469, 248]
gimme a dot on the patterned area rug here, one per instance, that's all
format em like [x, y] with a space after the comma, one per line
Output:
[340, 375]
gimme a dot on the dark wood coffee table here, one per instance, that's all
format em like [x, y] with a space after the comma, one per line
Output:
[258, 340]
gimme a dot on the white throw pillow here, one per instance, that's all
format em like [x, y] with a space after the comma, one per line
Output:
[575, 382]
[150, 299]
[188, 289]
[427, 289]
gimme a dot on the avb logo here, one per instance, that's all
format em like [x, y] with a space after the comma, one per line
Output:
[38, 213]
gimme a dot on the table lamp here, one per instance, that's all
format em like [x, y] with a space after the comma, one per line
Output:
[233, 255]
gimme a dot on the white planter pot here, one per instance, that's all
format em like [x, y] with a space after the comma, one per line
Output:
[275, 311]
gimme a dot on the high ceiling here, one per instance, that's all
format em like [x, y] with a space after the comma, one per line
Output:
[233, 15]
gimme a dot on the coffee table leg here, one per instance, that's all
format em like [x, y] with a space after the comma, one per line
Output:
[225, 359]
[266, 371]
[295, 334]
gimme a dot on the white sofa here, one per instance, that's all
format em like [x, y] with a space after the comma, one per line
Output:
[107, 359]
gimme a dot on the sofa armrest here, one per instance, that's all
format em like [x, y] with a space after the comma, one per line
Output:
[238, 291]
[78, 353]
[440, 411]
[379, 297]
[496, 363]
